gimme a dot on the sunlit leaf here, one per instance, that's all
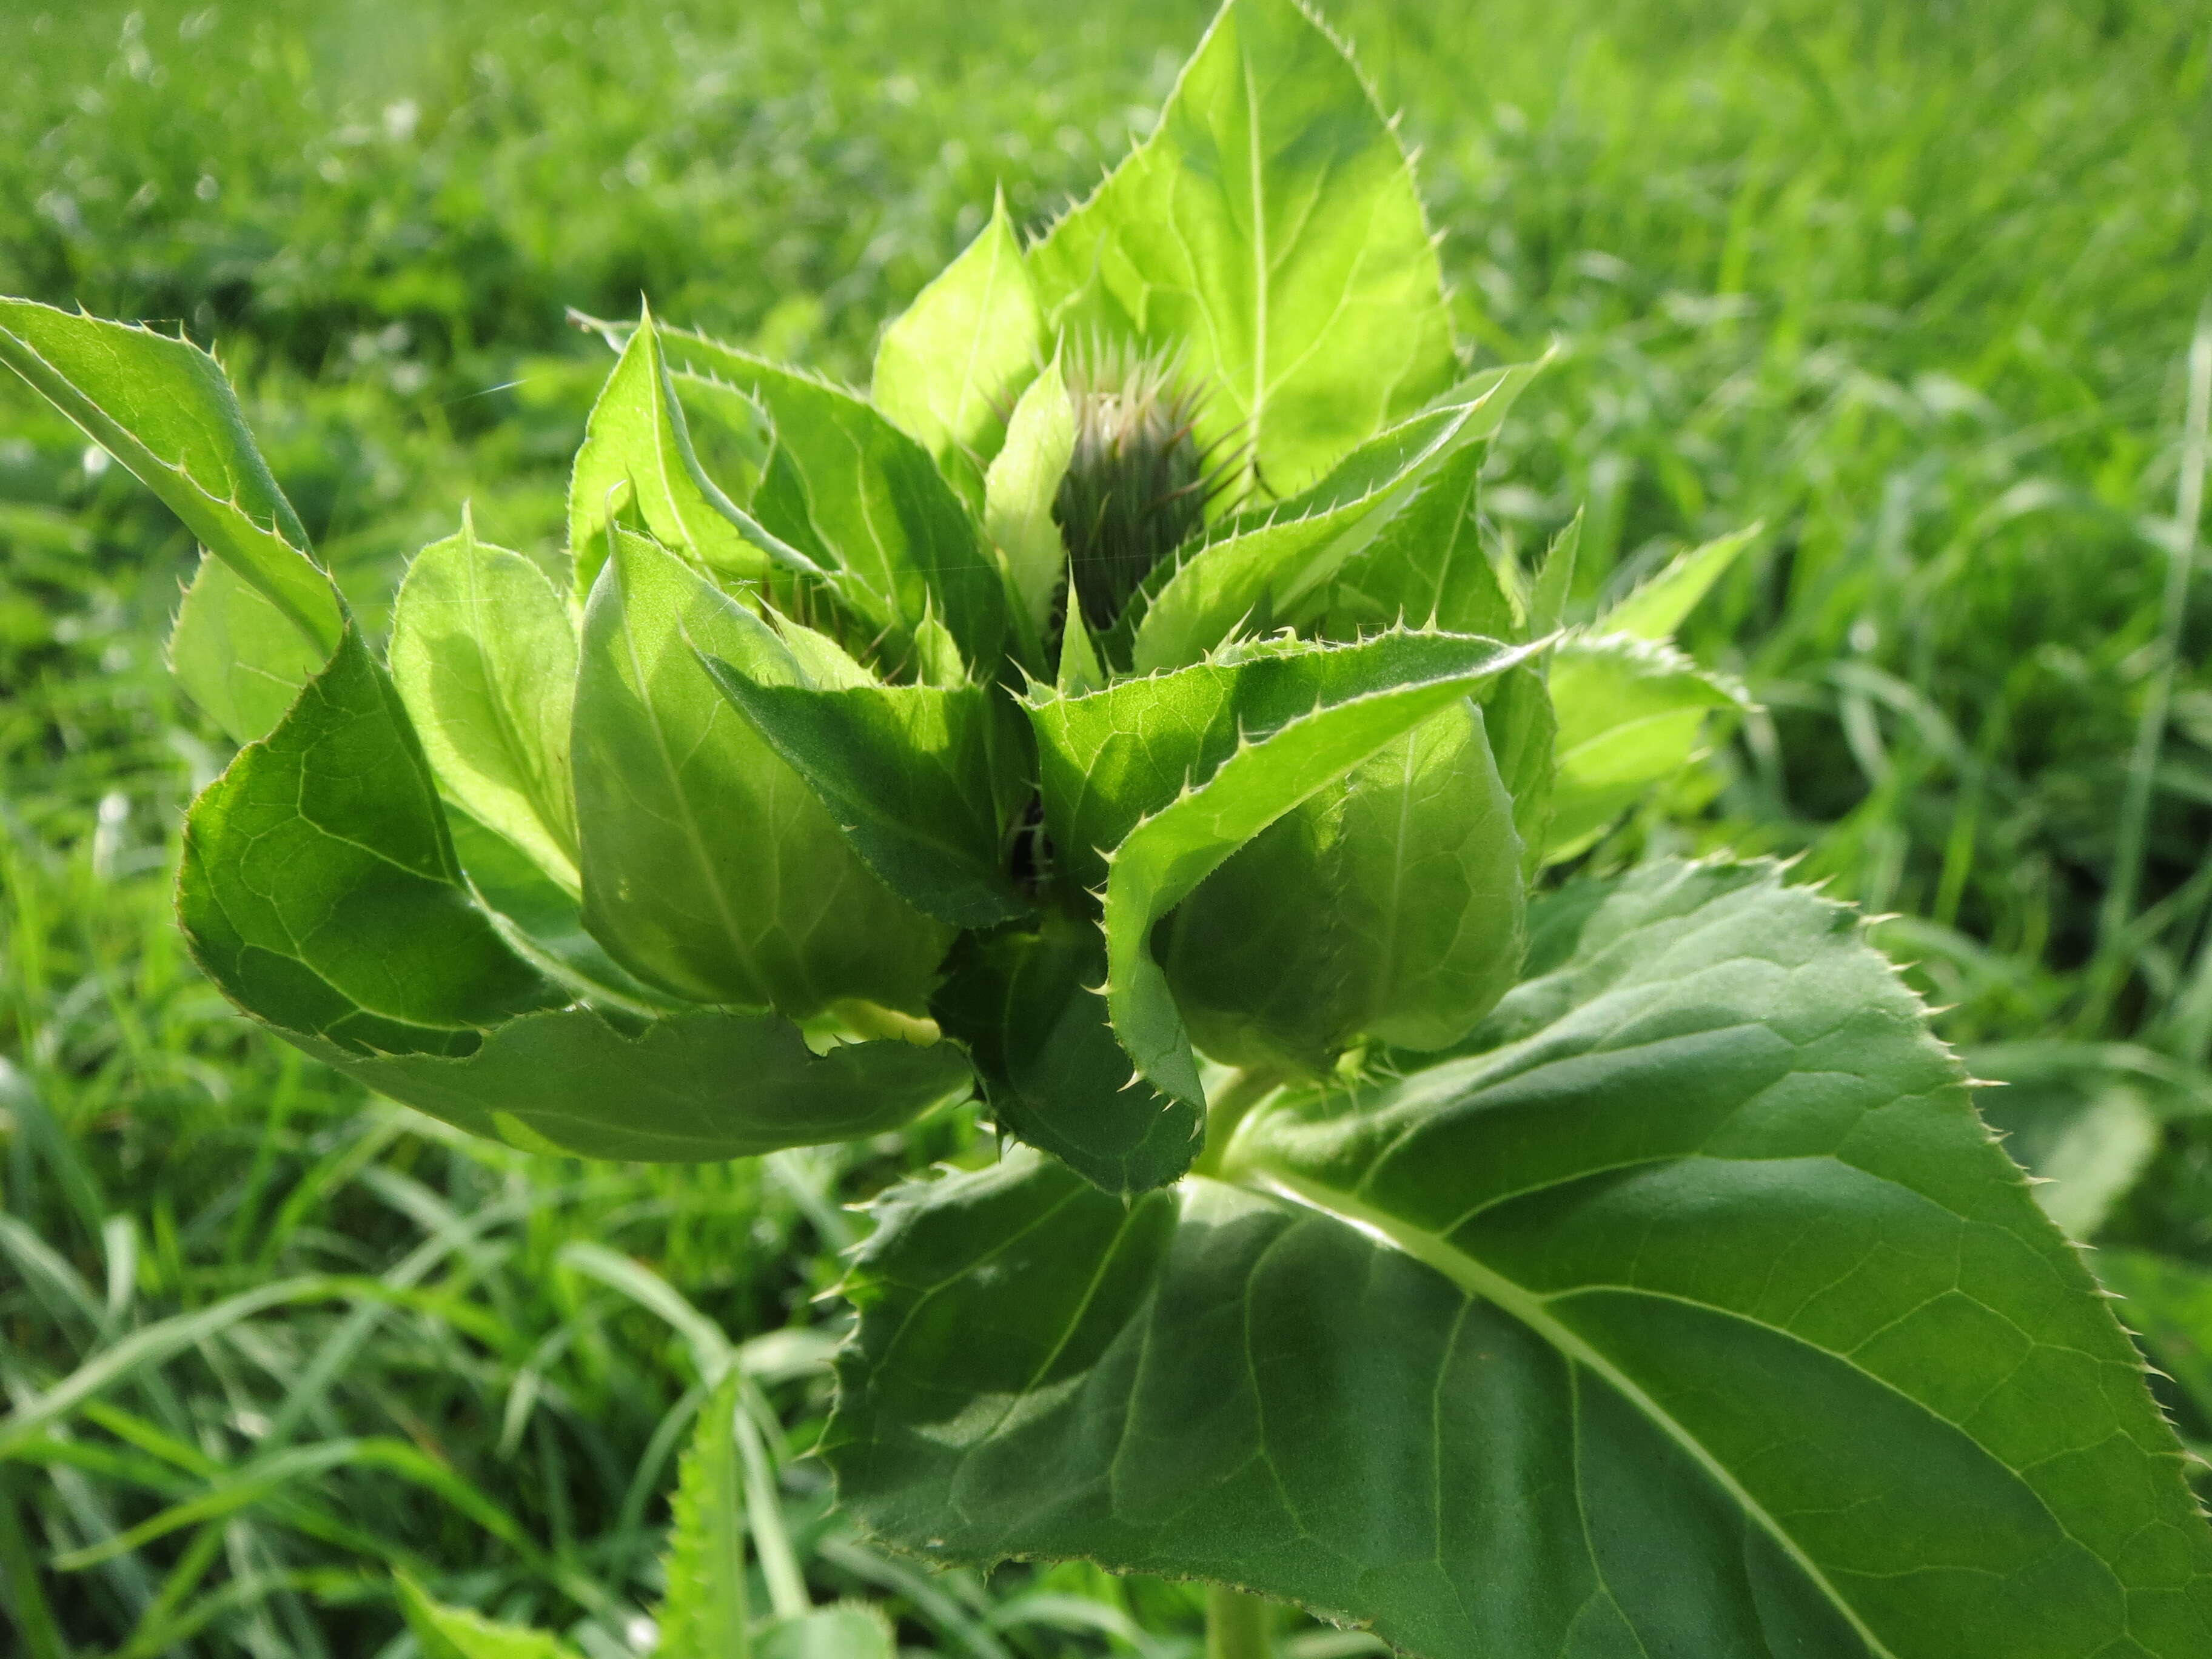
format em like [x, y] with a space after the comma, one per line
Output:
[1270, 230]
[947, 369]
[162, 408]
[483, 652]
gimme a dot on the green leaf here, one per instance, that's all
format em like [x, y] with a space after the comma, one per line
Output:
[163, 409]
[1269, 229]
[1555, 580]
[696, 1087]
[1524, 735]
[484, 652]
[1028, 1005]
[1080, 669]
[703, 1615]
[1408, 920]
[853, 492]
[1693, 1311]
[1108, 758]
[238, 656]
[544, 922]
[1425, 567]
[1278, 564]
[637, 459]
[947, 369]
[926, 781]
[1351, 701]
[851, 1629]
[710, 868]
[1020, 489]
[1656, 609]
[319, 887]
[1630, 712]
[443, 1633]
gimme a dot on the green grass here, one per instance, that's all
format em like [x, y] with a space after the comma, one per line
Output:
[1912, 283]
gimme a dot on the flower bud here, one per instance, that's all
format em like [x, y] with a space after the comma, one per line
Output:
[1136, 486]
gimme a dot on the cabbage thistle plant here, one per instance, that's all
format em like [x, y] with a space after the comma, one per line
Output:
[1116, 715]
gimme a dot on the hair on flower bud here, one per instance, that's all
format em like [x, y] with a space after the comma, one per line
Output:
[1139, 482]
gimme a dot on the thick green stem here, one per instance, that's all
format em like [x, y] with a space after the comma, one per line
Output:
[1236, 1624]
[1226, 1109]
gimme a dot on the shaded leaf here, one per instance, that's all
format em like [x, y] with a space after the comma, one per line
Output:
[484, 654]
[162, 408]
[319, 887]
[695, 1087]
[1408, 921]
[1425, 568]
[923, 781]
[1356, 700]
[1027, 1003]
[710, 868]
[1279, 565]
[240, 658]
[1693, 1311]
[1268, 227]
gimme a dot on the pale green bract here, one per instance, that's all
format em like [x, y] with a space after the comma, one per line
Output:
[1616, 1268]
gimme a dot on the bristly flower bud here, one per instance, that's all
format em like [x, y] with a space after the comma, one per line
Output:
[1137, 485]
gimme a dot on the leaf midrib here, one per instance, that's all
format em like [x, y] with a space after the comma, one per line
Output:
[1524, 1305]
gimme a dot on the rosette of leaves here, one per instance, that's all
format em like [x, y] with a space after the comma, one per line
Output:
[1117, 708]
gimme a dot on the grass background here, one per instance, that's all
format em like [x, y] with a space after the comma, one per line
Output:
[1912, 283]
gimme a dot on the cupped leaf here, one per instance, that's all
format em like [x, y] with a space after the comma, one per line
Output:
[1695, 1312]
[1524, 736]
[443, 1633]
[1028, 1003]
[637, 463]
[1269, 230]
[1425, 568]
[240, 657]
[948, 368]
[926, 781]
[1655, 608]
[853, 493]
[483, 652]
[1162, 860]
[1279, 565]
[703, 1615]
[544, 922]
[1407, 920]
[1018, 492]
[1109, 757]
[695, 1087]
[1630, 712]
[319, 887]
[162, 408]
[710, 868]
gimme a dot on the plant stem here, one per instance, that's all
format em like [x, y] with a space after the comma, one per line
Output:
[1230, 1102]
[1236, 1624]
[2150, 733]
